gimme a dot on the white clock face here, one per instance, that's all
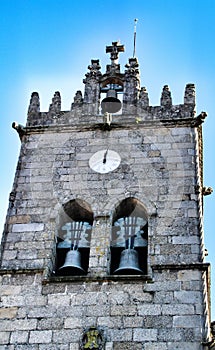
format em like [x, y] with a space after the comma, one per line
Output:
[104, 161]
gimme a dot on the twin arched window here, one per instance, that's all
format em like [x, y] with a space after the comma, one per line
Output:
[128, 243]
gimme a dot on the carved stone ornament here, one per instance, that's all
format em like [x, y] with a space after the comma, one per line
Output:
[92, 339]
[166, 99]
[114, 50]
[34, 107]
[55, 106]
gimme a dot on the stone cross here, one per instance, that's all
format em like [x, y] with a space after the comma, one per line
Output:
[114, 50]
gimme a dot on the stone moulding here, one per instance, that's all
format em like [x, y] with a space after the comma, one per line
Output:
[117, 124]
[88, 279]
[194, 266]
[59, 279]
[21, 271]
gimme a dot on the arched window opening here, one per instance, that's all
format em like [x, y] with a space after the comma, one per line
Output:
[129, 239]
[73, 238]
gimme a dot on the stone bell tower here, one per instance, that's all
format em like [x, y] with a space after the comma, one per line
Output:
[103, 241]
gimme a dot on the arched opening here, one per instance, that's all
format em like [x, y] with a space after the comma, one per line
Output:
[129, 238]
[73, 238]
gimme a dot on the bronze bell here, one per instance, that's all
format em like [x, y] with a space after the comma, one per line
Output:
[72, 264]
[129, 264]
[111, 103]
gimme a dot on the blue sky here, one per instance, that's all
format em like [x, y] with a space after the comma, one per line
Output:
[46, 46]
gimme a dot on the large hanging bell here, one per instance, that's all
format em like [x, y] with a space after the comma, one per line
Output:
[111, 103]
[129, 264]
[72, 264]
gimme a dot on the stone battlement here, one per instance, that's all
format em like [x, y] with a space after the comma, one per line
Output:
[135, 100]
[82, 115]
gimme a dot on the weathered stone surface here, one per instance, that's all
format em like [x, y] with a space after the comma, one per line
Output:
[17, 324]
[183, 345]
[110, 322]
[120, 335]
[19, 337]
[50, 323]
[40, 337]
[127, 346]
[4, 338]
[8, 312]
[155, 346]
[141, 334]
[186, 321]
[179, 309]
[188, 297]
[28, 227]
[149, 310]
[73, 322]
[66, 336]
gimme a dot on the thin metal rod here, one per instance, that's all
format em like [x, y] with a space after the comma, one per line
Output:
[135, 32]
[76, 230]
[130, 225]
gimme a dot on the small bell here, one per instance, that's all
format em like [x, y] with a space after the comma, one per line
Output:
[72, 264]
[129, 264]
[111, 103]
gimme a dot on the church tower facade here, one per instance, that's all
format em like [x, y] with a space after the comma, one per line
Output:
[103, 241]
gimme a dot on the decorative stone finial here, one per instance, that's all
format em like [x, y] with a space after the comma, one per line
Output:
[55, 106]
[143, 97]
[166, 99]
[34, 106]
[78, 100]
[114, 50]
[131, 85]
[94, 71]
[92, 87]
[189, 95]
[132, 67]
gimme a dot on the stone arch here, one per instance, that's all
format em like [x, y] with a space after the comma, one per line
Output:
[78, 210]
[74, 226]
[148, 205]
[130, 206]
[129, 237]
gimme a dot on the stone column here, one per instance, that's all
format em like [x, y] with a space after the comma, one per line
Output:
[100, 247]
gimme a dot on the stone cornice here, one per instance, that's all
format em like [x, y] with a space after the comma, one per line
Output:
[192, 266]
[20, 271]
[126, 123]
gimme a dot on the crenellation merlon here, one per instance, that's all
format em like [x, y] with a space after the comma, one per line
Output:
[166, 99]
[190, 94]
[55, 106]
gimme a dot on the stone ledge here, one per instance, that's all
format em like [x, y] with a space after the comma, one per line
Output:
[123, 124]
[193, 266]
[88, 278]
[128, 279]
[20, 271]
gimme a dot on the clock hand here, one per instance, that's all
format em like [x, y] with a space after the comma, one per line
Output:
[105, 157]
